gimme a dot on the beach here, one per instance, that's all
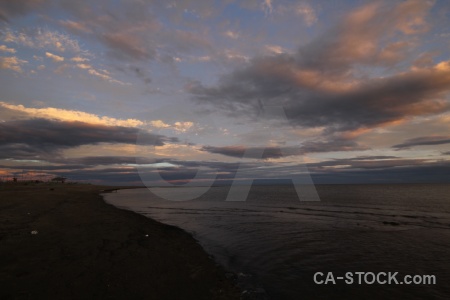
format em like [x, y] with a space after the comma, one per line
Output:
[62, 241]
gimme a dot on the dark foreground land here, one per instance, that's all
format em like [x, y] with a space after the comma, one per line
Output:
[87, 249]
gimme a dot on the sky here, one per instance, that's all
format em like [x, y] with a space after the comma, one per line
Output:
[123, 92]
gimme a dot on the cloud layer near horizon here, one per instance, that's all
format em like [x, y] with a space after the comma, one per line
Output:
[43, 137]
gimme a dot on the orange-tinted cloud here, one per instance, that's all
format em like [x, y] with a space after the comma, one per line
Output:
[12, 63]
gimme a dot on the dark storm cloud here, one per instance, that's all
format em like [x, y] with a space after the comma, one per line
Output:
[238, 151]
[273, 81]
[37, 136]
[333, 144]
[21, 151]
[319, 85]
[423, 141]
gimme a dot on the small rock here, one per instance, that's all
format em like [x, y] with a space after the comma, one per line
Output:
[34, 232]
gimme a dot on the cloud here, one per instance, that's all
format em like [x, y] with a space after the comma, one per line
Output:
[425, 59]
[18, 38]
[410, 173]
[50, 163]
[40, 136]
[186, 41]
[239, 151]
[275, 49]
[363, 169]
[43, 39]
[231, 34]
[79, 59]
[267, 6]
[98, 74]
[336, 144]
[6, 49]
[358, 38]
[130, 31]
[182, 126]
[321, 85]
[383, 170]
[22, 151]
[71, 115]
[111, 160]
[75, 26]
[159, 124]
[52, 39]
[307, 12]
[54, 57]
[231, 54]
[178, 126]
[423, 141]
[14, 8]
[125, 46]
[312, 102]
[103, 74]
[84, 66]
[366, 163]
[332, 144]
[120, 176]
[12, 63]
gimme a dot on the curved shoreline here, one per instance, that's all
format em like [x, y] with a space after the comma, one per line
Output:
[86, 248]
[246, 283]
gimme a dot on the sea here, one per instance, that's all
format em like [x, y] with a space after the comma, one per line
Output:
[275, 246]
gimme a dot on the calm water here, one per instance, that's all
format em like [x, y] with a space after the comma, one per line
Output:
[277, 243]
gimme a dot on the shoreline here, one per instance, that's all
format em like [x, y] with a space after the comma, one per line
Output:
[244, 282]
[65, 241]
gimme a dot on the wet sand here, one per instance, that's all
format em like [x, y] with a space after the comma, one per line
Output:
[84, 248]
